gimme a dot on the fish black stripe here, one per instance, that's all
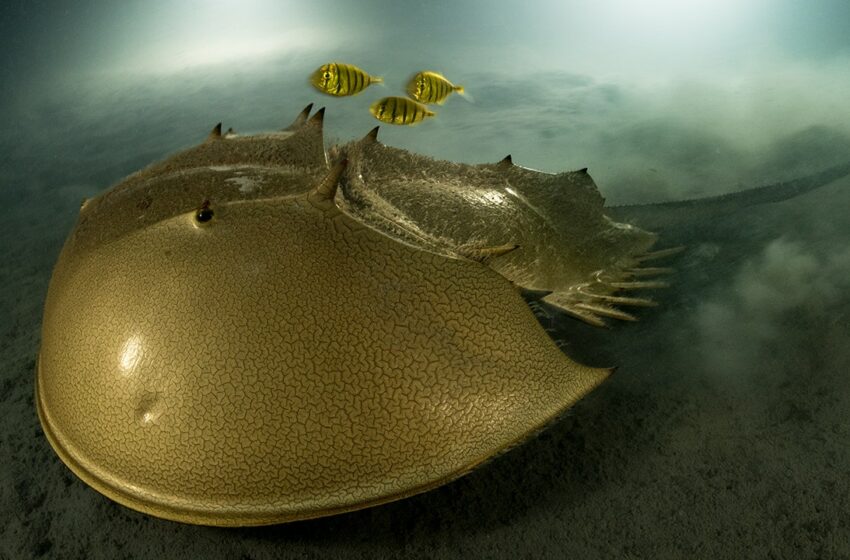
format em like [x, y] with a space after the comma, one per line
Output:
[404, 115]
[349, 80]
[358, 81]
[391, 101]
[336, 72]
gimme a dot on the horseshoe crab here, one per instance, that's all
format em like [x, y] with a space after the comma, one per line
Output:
[243, 334]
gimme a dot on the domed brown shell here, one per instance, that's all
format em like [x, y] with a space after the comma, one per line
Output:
[223, 343]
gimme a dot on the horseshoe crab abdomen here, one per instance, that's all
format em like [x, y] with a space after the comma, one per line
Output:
[568, 246]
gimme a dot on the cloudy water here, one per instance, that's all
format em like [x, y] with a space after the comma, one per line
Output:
[725, 431]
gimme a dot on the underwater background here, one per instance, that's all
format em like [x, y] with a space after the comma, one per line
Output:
[725, 432]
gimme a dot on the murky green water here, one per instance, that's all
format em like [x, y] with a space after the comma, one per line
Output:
[724, 432]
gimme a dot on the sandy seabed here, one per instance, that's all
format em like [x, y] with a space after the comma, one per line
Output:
[724, 433]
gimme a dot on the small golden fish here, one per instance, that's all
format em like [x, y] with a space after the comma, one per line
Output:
[338, 78]
[430, 87]
[399, 110]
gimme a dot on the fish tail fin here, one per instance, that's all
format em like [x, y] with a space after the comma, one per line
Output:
[376, 80]
[463, 93]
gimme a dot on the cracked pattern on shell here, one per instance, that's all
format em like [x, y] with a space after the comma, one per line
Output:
[286, 361]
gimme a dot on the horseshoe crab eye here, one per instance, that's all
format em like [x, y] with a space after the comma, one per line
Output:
[204, 213]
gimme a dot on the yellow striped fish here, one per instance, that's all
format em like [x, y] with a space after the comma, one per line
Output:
[430, 87]
[338, 78]
[399, 110]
